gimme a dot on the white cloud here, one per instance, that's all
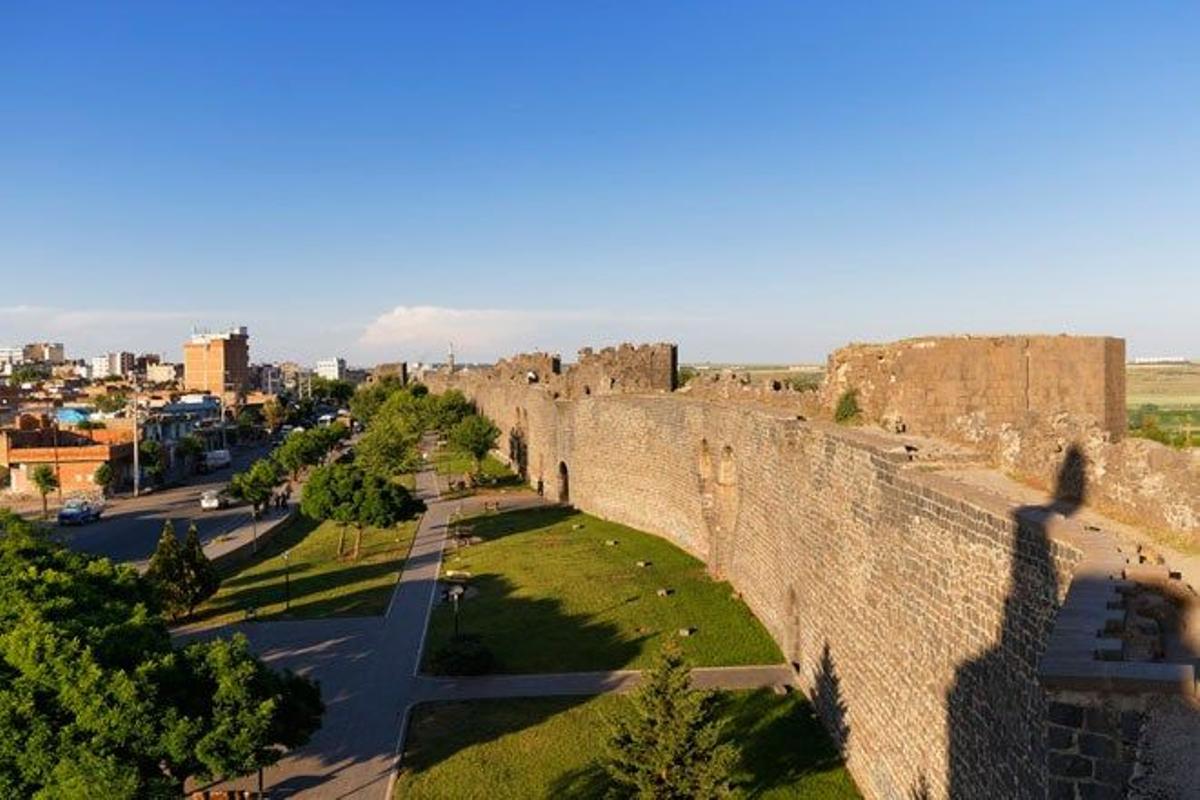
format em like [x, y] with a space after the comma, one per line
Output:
[90, 331]
[424, 332]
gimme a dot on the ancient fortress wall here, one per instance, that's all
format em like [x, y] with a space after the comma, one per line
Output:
[933, 385]
[914, 608]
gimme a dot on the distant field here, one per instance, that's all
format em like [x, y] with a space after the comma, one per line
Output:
[1163, 402]
[1172, 385]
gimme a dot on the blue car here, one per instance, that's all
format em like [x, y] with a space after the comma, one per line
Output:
[77, 511]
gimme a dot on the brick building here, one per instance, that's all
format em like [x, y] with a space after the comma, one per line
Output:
[75, 456]
[217, 362]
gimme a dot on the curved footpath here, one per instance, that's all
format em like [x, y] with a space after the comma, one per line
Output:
[369, 669]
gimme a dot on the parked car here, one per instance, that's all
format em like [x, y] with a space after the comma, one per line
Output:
[78, 511]
[213, 500]
[217, 459]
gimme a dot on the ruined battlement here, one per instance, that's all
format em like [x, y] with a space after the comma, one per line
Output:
[940, 386]
[623, 369]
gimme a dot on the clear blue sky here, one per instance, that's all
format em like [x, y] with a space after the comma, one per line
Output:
[759, 181]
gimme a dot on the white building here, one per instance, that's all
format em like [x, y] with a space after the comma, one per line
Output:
[332, 369]
[12, 355]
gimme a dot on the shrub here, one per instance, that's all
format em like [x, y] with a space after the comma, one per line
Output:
[465, 654]
[847, 407]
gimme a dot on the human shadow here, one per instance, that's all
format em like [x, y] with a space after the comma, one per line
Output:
[996, 708]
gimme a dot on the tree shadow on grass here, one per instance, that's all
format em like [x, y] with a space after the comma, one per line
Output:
[268, 599]
[531, 635]
[491, 527]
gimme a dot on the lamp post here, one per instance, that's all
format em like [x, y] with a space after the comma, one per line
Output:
[287, 581]
[456, 593]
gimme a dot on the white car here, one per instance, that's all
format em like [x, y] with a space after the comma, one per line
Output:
[213, 500]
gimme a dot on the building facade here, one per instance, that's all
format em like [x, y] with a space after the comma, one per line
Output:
[331, 369]
[217, 362]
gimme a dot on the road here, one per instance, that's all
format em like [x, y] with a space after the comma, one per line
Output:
[130, 527]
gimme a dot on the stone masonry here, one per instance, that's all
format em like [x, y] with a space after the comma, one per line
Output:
[914, 608]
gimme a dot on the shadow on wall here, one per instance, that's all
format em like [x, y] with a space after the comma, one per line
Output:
[997, 708]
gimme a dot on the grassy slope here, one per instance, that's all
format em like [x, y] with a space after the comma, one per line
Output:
[321, 585]
[546, 748]
[554, 599]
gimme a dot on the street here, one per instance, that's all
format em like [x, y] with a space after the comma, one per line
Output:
[130, 527]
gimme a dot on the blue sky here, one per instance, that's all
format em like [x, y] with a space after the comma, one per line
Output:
[758, 181]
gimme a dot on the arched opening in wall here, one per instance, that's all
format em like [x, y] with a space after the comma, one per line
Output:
[727, 473]
[564, 483]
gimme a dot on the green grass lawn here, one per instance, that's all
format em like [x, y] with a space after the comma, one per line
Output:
[452, 462]
[546, 747]
[549, 598]
[322, 585]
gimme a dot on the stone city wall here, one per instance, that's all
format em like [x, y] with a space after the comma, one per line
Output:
[913, 613]
[1022, 401]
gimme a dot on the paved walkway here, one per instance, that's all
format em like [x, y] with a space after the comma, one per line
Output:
[369, 672]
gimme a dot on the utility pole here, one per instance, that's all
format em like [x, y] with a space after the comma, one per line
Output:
[137, 466]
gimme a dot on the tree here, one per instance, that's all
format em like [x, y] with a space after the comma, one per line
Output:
[381, 504]
[150, 454]
[103, 477]
[389, 447]
[669, 746]
[299, 450]
[29, 373]
[45, 481]
[166, 572]
[257, 484]
[273, 414]
[451, 408]
[332, 493]
[111, 402]
[475, 435]
[95, 698]
[191, 447]
[200, 577]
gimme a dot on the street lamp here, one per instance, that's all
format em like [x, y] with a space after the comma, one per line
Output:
[287, 581]
[456, 593]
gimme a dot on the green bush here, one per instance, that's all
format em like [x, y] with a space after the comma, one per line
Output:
[465, 654]
[847, 410]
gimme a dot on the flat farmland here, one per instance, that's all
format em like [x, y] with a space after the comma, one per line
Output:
[1163, 385]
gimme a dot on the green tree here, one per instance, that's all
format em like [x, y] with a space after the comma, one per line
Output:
[668, 747]
[151, 459]
[166, 572]
[200, 577]
[381, 504]
[29, 373]
[299, 450]
[95, 699]
[332, 493]
[389, 447]
[449, 409]
[257, 484]
[103, 477]
[475, 435]
[191, 448]
[45, 481]
[273, 414]
[111, 402]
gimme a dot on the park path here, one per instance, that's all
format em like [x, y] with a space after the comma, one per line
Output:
[369, 669]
